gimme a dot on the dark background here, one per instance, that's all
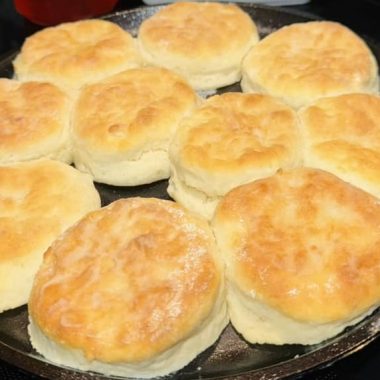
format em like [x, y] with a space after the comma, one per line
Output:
[362, 16]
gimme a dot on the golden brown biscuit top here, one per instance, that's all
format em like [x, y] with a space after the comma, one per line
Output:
[30, 113]
[128, 281]
[138, 109]
[345, 132]
[234, 132]
[38, 199]
[304, 242]
[77, 52]
[197, 30]
[312, 59]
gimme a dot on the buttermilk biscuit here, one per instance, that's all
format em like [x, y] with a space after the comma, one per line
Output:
[134, 289]
[303, 62]
[76, 53]
[342, 135]
[204, 42]
[302, 255]
[38, 200]
[232, 139]
[122, 126]
[34, 122]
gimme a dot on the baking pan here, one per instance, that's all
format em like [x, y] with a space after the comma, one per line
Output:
[231, 356]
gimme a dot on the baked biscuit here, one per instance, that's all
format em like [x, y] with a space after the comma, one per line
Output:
[302, 254]
[134, 289]
[232, 139]
[304, 62]
[122, 126]
[34, 122]
[76, 53]
[342, 135]
[204, 42]
[38, 201]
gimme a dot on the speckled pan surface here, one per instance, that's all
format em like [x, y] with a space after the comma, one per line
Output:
[231, 357]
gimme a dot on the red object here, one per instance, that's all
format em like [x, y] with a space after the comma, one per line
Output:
[53, 12]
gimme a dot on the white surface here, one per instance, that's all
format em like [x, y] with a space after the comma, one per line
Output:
[268, 2]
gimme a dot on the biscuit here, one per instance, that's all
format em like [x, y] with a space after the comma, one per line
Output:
[231, 139]
[342, 135]
[34, 122]
[304, 62]
[38, 201]
[122, 294]
[204, 42]
[122, 126]
[301, 251]
[76, 53]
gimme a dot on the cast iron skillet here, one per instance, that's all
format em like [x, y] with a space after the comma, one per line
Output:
[231, 357]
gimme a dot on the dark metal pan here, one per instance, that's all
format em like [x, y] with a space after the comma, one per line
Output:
[231, 357]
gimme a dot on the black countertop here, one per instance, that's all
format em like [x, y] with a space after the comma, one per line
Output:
[363, 17]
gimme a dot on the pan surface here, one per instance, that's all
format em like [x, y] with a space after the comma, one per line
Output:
[231, 357]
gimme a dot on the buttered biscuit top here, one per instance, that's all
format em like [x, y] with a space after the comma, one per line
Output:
[341, 134]
[39, 199]
[122, 125]
[231, 139]
[34, 122]
[301, 251]
[205, 42]
[303, 62]
[129, 286]
[233, 135]
[75, 53]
